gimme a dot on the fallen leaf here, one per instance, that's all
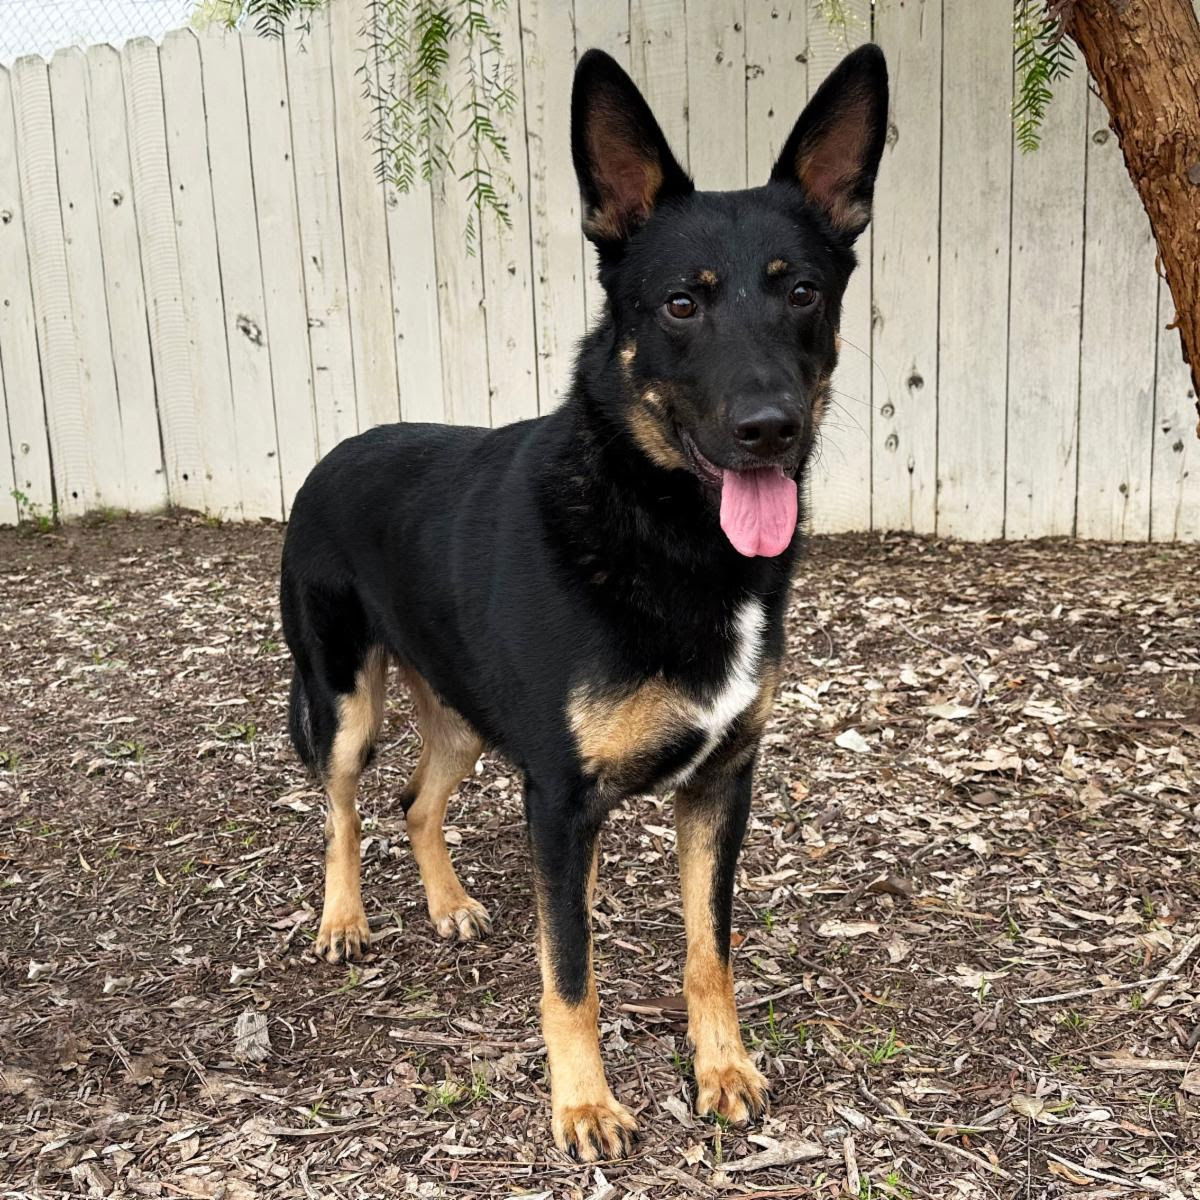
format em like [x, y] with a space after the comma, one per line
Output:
[834, 928]
[1065, 1172]
[851, 739]
[949, 712]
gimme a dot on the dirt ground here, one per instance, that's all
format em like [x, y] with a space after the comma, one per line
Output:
[968, 915]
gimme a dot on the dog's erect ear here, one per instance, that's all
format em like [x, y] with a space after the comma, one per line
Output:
[622, 160]
[833, 152]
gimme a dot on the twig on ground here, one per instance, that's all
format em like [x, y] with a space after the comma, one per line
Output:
[980, 689]
[1096, 991]
[913, 1129]
[1146, 1183]
[816, 966]
[1174, 967]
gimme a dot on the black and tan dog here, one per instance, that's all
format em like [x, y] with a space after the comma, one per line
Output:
[599, 593]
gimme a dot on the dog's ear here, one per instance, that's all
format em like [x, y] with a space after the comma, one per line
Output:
[834, 150]
[622, 160]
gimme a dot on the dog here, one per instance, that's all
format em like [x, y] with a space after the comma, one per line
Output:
[599, 594]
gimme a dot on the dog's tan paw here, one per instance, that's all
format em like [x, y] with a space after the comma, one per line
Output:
[344, 934]
[590, 1132]
[736, 1091]
[467, 921]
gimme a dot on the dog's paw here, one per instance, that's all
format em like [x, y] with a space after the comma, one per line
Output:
[590, 1132]
[736, 1091]
[344, 934]
[466, 921]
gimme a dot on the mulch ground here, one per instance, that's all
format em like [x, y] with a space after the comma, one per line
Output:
[968, 915]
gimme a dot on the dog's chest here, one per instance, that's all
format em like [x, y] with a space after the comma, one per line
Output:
[623, 737]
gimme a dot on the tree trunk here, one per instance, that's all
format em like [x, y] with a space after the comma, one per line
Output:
[1144, 56]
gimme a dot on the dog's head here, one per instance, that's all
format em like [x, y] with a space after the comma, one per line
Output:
[726, 304]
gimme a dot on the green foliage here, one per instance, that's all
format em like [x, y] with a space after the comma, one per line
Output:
[438, 82]
[1041, 57]
[839, 18]
[30, 515]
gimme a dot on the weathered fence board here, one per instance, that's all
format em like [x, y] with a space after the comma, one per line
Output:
[716, 93]
[364, 222]
[604, 25]
[1044, 322]
[1175, 499]
[23, 393]
[85, 270]
[314, 151]
[506, 257]
[905, 276]
[840, 491]
[973, 290]
[189, 262]
[241, 275]
[557, 271]
[189, 425]
[74, 476]
[286, 317]
[1117, 355]
[206, 285]
[460, 301]
[125, 295]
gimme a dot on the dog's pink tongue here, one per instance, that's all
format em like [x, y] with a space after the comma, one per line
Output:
[758, 511]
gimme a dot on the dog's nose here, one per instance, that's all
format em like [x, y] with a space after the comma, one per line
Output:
[767, 431]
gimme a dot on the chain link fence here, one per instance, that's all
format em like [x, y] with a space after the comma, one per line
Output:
[43, 26]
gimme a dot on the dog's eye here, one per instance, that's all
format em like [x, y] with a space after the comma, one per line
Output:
[802, 295]
[681, 306]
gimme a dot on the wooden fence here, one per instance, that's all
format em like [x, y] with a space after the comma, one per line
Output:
[203, 286]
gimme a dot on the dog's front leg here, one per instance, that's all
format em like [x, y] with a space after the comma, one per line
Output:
[588, 1122]
[710, 819]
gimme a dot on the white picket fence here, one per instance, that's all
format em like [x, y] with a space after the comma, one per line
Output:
[203, 287]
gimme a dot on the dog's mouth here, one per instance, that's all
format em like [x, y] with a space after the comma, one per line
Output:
[759, 505]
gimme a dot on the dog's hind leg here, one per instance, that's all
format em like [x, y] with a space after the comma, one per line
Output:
[448, 754]
[344, 932]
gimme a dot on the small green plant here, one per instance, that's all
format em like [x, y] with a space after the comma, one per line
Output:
[1074, 1020]
[480, 1089]
[885, 1051]
[238, 731]
[894, 1186]
[773, 1036]
[9, 760]
[125, 749]
[30, 514]
[269, 646]
[444, 1096]
[680, 1061]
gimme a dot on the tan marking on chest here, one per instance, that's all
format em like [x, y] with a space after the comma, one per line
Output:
[610, 731]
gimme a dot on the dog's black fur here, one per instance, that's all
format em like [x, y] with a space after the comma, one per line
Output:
[563, 587]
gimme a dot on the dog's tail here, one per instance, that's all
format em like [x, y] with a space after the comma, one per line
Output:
[300, 722]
